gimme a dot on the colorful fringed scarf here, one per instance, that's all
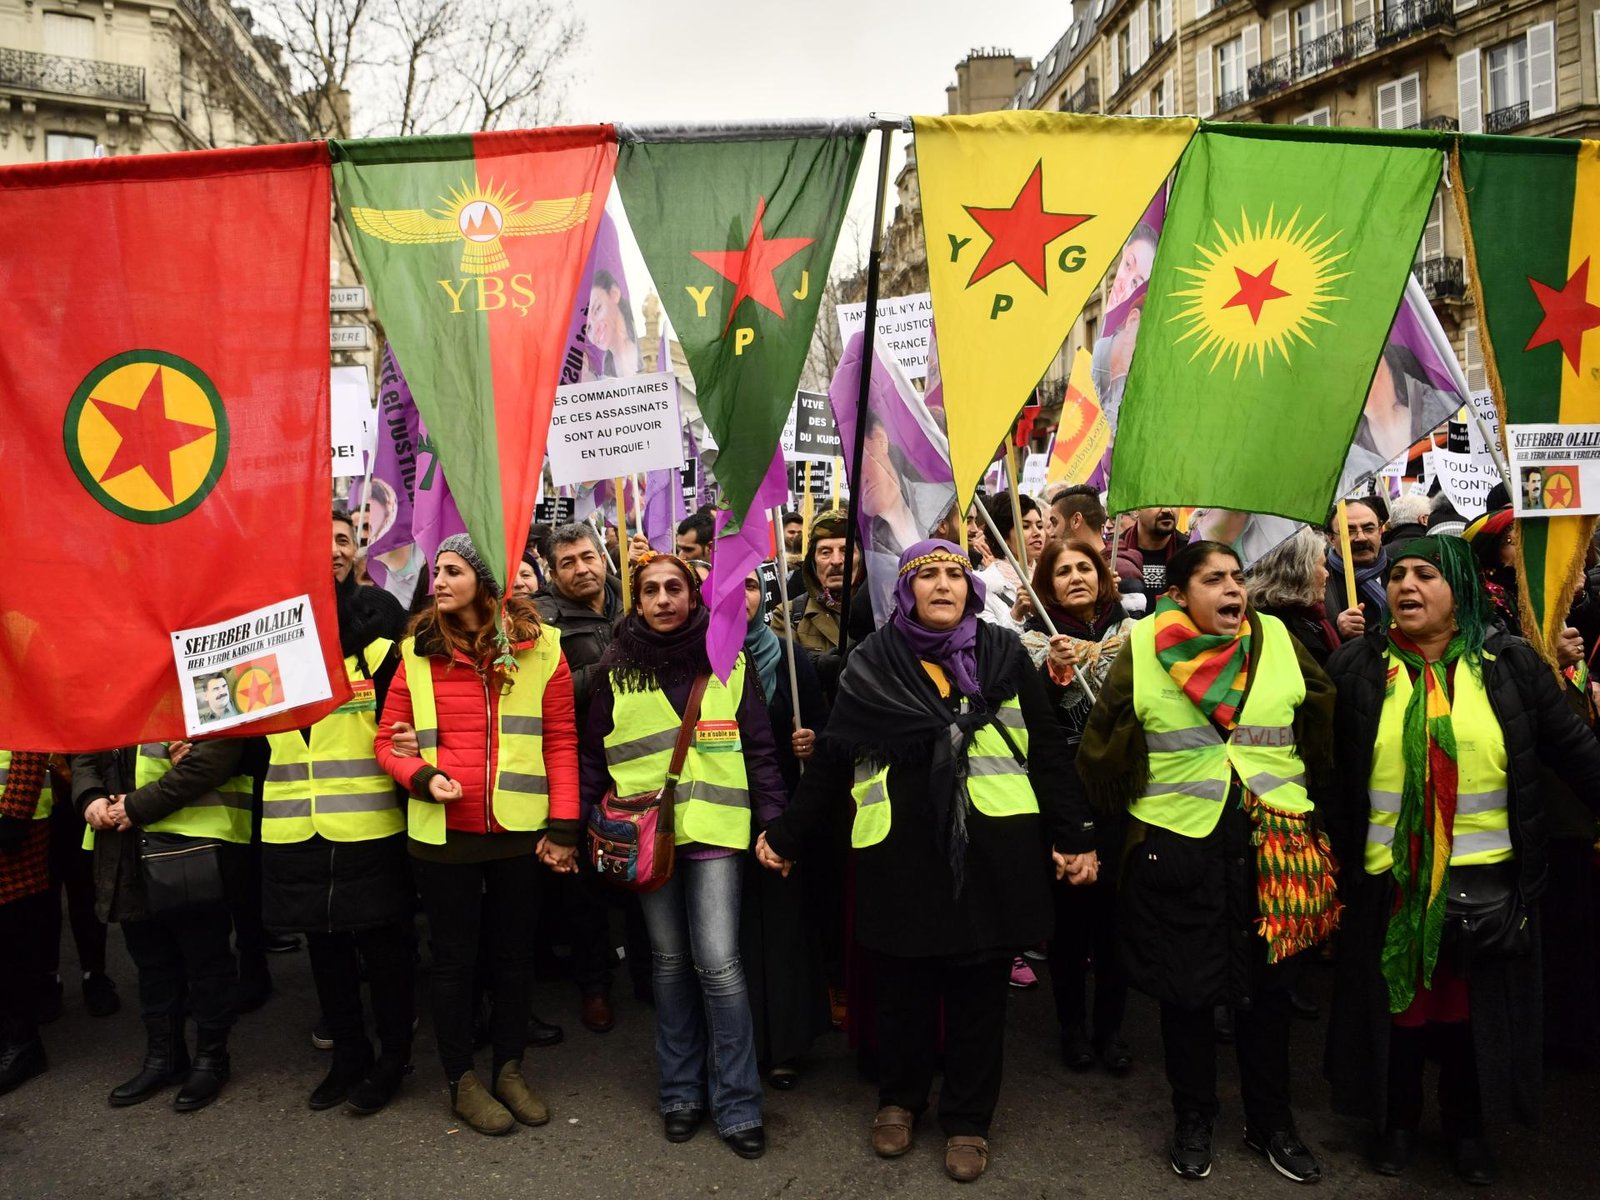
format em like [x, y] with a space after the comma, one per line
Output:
[1297, 895]
[1212, 669]
[1423, 831]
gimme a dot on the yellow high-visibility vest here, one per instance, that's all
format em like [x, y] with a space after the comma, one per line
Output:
[520, 797]
[333, 786]
[1482, 831]
[223, 813]
[1191, 765]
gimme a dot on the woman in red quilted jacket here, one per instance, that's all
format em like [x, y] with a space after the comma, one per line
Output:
[493, 793]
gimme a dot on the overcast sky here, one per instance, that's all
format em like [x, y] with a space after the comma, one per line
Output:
[722, 60]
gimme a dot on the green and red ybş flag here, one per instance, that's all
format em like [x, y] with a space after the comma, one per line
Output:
[474, 247]
[1531, 209]
[739, 236]
[164, 377]
[1282, 261]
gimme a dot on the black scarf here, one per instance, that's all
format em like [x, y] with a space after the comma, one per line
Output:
[639, 658]
[365, 613]
[1085, 631]
[890, 713]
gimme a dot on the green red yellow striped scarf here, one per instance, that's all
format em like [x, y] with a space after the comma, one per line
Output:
[1423, 832]
[1213, 670]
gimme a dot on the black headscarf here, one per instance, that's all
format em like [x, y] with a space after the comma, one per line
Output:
[639, 658]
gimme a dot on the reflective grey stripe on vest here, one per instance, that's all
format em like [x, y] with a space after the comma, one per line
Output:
[1467, 803]
[1380, 835]
[533, 726]
[1480, 843]
[360, 802]
[1264, 782]
[1168, 741]
[427, 739]
[877, 793]
[5, 774]
[515, 781]
[1263, 735]
[221, 800]
[1011, 718]
[332, 768]
[644, 747]
[1206, 789]
[997, 764]
[288, 772]
[715, 793]
[285, 809]
[1384, 802]
[153, 750]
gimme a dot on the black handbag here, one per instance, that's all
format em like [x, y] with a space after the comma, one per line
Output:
[1484, 917]
[180, 872]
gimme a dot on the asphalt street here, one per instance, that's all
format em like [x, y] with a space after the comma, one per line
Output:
[1057, 1134]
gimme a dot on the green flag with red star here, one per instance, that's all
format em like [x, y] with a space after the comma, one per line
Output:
[1281, 264]
[1531, 209]
[738, 236]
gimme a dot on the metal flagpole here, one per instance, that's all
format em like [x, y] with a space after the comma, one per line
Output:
[874, 269]
[1038, 606]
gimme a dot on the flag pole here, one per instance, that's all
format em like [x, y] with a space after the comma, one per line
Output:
[622, 542]
[808, 510]
[838, 472]
[859, 450]
[1016, 501]
[788, 639]
[1344, 557]
[1038, 607]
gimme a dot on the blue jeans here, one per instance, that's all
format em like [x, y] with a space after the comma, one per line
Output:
[699, 986]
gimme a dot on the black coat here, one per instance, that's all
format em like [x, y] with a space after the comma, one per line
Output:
[585, 634]
[1540, 731]
[904, 896]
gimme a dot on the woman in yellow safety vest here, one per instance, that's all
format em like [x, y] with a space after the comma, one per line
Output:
[943, 735]
[1444, 725]
[705, 1042]
[1213, 731]
[493, 793]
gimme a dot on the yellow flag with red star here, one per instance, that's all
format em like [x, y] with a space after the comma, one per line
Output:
[1023, 212]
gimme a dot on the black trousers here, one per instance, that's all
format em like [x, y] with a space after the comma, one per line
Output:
[1261, 1039]
[1460, 1104]
[72, 870]
[24, 948]
[500, 898]
[1086, 930]
[336, 960]
[185, 964]
[582, 920]
[974, 996]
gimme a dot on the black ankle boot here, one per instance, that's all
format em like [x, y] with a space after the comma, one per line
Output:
[351, 1062]
[166, 1062]
[209, 1073]
[374, 1092]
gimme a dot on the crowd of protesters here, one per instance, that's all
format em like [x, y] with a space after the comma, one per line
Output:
[1112, 751]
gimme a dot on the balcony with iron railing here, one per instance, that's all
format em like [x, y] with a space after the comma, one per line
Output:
[71, 76]
[1085, 100]
[1441, 278]
[245, 68]
[1232, 99]
[1392, 24]
[1501, 120]
[1443, 124]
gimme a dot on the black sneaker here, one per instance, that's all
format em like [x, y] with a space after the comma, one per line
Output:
[1190, 1147]
[1289, 1156]
[321, 1038]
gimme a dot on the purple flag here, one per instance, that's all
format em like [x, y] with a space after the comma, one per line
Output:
[389, 489]
[907, 492]
[433, 512]
[736, 554]
[601, 341]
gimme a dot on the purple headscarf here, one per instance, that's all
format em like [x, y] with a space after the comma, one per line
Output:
[955, 649]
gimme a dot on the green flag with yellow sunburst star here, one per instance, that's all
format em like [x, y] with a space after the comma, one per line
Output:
[1281, 264]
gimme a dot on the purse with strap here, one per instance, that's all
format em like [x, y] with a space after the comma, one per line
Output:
[181, 873]
[631, 838]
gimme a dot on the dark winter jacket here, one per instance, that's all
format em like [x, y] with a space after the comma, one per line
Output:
[585, 634]
[1541, 731]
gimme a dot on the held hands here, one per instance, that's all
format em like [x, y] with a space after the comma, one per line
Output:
[403, 740]
[1351, 623]
[1078, 869]
[769, 859]
[803, 742]
[108, 814]
[444, 789]
[563, 860]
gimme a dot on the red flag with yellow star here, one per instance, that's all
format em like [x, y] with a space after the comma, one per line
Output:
[1531, 209]
[1023, 212]
[165, 379]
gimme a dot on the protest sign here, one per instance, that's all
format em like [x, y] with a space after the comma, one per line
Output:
[350, 416]
[1032, 481]
[250, 666]
[1555, 469]
[556, 510]
[810, 433]
[905, 325]
[615, 427]
[1464, 475]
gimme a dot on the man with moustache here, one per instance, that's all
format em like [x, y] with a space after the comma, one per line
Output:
[1156, 537]
[1371, 560]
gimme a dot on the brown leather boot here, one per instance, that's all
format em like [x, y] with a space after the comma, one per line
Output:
[512, 1090]
[891, 1131]
[470, 1101]
[965, 1158]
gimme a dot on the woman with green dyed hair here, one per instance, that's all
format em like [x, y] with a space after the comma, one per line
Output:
[1443, 724]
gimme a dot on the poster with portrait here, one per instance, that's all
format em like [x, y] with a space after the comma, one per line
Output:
[1555, 470]
[250, 666]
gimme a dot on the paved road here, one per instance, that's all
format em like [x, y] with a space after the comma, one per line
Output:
[1057, 1134]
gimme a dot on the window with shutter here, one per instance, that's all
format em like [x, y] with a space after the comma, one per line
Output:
[1252, 46]
[1360, 10]
[1202, 8]
[1472, 359]
[1542, 70]
[1506, 67]
[1320, 116]
[71, 37]
[59, 147]
[1170, 102]
[1469, 93]
[1463, 5]
[1389, 105]
[1280, 33]
[1408, 98]
[1432, 244]
[1202, 83]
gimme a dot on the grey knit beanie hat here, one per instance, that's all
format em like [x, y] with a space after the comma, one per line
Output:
[461, 544]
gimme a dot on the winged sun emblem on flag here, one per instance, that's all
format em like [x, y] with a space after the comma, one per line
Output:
[479, 216]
